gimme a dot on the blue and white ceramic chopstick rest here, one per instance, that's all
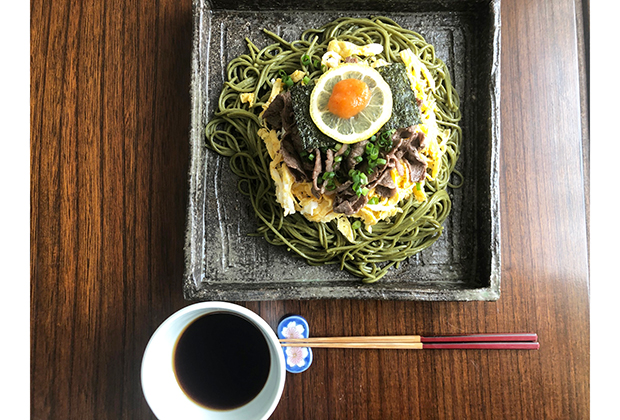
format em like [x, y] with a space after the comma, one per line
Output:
[298, 359]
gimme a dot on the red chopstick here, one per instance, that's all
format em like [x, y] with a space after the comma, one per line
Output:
[512, 345]
[481, 338]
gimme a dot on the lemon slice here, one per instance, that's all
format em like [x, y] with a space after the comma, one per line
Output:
[368, 121]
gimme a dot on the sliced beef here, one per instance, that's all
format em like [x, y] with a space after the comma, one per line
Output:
[403, 133]
[288, 116]
[417, 164]
[413, 155]
[316, 189]
[401, 140]
[328, 166]
[357, 149]
[374, 175]
[308, 166]
[384, 185]
[421, 140]
[358, 203]
[385, 191]
[399, 167]
[329, 160]
[273, 114]
[398, 138]
[407, 145]
[411, 139]
[342, 150]
[293, 161]
[385, 180]
[417, 170]
[279, 114]
[349, 203]
[344, 186]
[292, 136]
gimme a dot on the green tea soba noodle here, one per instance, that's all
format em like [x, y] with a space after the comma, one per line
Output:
[365, 251]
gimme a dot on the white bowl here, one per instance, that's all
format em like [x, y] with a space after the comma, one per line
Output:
[162, 391]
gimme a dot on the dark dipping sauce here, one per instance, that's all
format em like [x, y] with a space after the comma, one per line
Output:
[221, 361]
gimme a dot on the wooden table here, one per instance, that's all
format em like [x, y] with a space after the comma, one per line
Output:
[110, 118]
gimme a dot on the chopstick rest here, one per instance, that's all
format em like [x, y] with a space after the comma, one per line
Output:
[298, 358]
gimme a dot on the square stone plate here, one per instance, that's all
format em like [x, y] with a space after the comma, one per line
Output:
[224, 263]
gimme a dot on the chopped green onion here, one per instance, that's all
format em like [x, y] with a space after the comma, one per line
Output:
[418, 186]
[337, 159]
[356, 225]
[305, 60]
[385, 141]
[369, 171]
[289, 82]
[338, 146]
[347, 152]
[359, 178]
[306, 80]
[374, 200]
[317, 64]
[373, 138]
[358, 159]
[329, 175]
[323, 68]
[381, 161]
[311, 156]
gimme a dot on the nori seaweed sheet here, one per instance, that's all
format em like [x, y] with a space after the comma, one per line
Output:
[405, 109]
[311, 136]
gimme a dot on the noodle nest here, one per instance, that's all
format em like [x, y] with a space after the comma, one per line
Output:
[232, 132]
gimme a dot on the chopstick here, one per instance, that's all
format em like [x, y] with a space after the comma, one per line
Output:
[522, 341]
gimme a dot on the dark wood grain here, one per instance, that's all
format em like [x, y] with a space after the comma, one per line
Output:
[109, 123]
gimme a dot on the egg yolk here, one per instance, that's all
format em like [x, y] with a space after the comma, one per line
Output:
[349, 97]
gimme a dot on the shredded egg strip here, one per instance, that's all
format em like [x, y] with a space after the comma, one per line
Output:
[337, 51]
